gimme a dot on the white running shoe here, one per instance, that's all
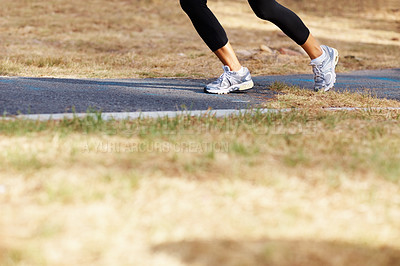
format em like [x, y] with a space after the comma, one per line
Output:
[324, 69]
[231, 81]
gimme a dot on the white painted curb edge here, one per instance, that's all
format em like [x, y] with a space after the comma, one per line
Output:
[136, 115]
[172, 114]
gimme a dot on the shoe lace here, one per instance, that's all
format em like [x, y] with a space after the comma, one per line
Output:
[318, 73]
[224, 76]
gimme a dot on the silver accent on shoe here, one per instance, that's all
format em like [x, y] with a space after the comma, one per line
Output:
[230, 81]
[324, 72]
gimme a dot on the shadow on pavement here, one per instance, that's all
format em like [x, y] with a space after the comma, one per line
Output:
[196, 86]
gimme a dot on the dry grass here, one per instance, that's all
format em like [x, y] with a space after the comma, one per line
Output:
[294, 97]
[300, 188]
[134, 38]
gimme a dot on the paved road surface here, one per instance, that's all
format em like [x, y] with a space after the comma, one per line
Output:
[50, 95]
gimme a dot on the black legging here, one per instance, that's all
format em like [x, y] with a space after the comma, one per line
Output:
[211, 31]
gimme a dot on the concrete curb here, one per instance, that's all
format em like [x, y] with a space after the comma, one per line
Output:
[172, 114]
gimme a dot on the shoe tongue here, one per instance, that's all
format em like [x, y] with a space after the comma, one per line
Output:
[226, 68]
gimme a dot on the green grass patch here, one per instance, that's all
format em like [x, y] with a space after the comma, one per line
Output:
[357, 142]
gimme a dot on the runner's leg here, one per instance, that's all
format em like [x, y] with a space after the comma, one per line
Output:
[206, 24]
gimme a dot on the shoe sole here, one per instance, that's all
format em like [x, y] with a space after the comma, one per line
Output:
[242, 87]
[336, 55]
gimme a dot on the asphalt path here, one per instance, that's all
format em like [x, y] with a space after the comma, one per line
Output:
[24, 95]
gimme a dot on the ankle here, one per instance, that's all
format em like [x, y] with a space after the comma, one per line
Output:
[235, 68]
[319, 58]
[317, 52]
